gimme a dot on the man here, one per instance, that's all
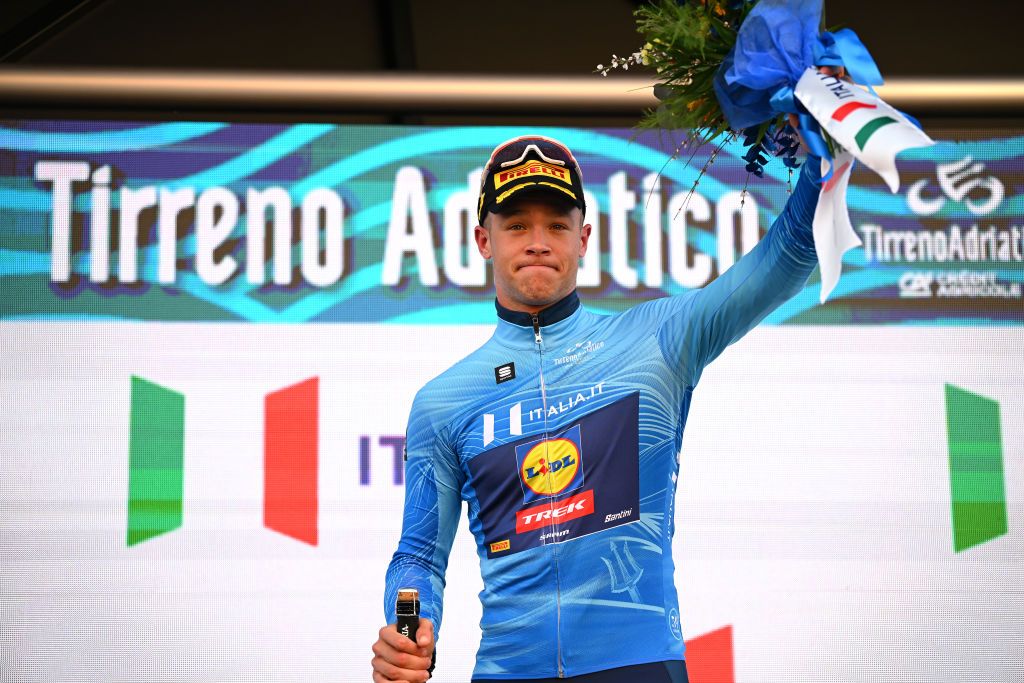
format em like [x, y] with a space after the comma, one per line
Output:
[562, 433]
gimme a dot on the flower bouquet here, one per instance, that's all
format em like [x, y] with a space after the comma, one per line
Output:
[764, 71]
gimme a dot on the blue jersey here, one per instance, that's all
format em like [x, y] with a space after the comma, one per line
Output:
[562, 435]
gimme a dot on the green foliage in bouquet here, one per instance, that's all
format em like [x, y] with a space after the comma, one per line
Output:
[687, 41]
[686, 44]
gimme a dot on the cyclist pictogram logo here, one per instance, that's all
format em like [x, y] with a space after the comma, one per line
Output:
[962, 181]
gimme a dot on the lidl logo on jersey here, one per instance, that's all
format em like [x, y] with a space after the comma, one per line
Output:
[579, 480]
[549, 467]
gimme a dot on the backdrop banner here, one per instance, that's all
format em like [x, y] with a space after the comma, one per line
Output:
[327, 223]
[190, 496]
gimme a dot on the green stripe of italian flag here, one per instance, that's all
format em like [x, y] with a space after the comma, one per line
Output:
[870, 128]
[860, 122]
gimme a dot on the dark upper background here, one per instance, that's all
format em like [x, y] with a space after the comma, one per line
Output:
[532, 37]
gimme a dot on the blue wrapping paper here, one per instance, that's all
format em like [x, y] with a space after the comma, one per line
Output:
[777, 42]
[773, 69]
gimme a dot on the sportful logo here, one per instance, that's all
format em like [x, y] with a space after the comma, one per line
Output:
[504, 373]
[156, 461]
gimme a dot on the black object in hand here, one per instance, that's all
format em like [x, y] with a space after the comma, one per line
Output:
[407, 609]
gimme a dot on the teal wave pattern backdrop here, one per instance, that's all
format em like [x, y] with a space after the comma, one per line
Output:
[326, 223]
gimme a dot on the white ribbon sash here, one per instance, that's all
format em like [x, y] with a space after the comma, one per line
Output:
[870, 131]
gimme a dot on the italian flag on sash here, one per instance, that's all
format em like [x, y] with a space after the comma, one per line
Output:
[870, 131]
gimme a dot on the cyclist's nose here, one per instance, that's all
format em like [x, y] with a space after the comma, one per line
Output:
[538, 245]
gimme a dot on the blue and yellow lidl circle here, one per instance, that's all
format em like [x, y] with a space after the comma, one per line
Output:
[551, 466]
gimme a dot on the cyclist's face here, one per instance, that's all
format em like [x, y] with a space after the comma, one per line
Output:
[535, 247]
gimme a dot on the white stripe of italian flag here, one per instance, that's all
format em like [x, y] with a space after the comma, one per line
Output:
[870, 131]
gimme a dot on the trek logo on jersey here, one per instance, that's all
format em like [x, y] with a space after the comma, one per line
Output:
[551, 489]
[549, 467]
[547, 513]
[531, 168]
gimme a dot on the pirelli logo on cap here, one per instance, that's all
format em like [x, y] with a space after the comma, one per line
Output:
[500, 546]
[531, 168]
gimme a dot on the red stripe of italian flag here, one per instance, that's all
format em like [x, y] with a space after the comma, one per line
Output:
[868, 129]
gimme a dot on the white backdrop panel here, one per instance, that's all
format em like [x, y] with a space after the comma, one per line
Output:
[813, 512]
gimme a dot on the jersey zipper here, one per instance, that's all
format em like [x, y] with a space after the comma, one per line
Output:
[554, 550]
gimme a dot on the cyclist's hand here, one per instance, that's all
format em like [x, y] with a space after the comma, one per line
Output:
[399, 660]
[829, 71]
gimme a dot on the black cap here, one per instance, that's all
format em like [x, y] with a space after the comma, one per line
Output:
[530, 161]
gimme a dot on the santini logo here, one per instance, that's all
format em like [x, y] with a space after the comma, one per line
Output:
[618, 515]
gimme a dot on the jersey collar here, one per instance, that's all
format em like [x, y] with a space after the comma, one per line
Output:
[556, 312]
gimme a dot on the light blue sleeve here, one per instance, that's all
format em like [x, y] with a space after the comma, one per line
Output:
[433, 481]
[700, 324]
